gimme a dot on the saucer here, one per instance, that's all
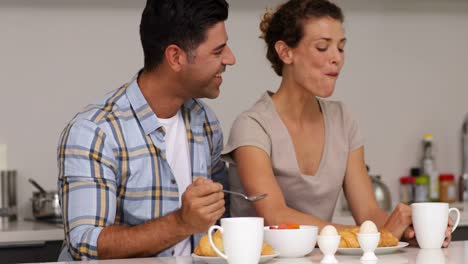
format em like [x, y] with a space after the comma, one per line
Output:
[378, 251]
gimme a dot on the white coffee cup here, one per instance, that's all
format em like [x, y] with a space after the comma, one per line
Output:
[242, 239]
[430, 221]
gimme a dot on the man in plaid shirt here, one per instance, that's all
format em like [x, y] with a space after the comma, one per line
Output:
[140, 171]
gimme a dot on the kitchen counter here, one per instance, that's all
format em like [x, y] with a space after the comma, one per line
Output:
[457, 253]
[19, 233]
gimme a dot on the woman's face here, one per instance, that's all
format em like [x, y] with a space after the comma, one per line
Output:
[317, 60]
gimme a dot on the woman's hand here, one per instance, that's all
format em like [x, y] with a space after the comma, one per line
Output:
[410, 236]
[398, 223]
[448, 233]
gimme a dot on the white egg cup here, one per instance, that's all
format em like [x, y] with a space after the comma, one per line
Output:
[368, 243]
[328, 245]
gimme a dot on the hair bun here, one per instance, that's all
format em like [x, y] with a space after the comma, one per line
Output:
[265, 22]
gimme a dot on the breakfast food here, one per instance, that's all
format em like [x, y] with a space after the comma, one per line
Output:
[329, 230]
[267, 249]
[349, 238]
[387, 239]
[204, 248]
[286, 226]
[368, 227]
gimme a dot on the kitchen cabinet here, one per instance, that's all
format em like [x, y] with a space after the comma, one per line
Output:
[30, 241]
[460, 234]
[32, 252]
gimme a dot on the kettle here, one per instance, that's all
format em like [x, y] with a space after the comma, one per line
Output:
[381, 193]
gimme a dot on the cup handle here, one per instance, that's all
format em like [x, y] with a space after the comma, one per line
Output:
[210, 238]
[458, 217]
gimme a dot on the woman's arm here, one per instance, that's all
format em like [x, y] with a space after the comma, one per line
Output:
[358, 190]
[360, 195]
[256, 176]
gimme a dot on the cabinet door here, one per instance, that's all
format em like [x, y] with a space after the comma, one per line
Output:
[44, 252]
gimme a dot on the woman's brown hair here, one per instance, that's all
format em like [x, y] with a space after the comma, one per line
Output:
[287, 23]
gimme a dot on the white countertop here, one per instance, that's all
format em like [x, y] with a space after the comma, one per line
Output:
[28, 232]
[457, 253]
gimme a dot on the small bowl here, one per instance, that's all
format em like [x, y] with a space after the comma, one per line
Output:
[291, 243]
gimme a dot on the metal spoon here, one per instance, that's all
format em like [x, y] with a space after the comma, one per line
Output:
[251, 198]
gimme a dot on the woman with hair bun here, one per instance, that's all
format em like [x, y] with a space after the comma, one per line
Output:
[296, 146]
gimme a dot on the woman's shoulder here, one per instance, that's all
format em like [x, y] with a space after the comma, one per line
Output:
[261, 111]
[341, 118]
[336, 109]
[252, 128]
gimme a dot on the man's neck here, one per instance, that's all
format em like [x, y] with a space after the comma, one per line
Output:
[159, 90]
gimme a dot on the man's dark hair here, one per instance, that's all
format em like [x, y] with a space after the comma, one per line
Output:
[180, 22]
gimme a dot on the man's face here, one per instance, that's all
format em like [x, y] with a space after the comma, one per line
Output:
[202, 74]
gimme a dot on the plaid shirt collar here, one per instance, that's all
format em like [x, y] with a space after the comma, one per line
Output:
[145, 115]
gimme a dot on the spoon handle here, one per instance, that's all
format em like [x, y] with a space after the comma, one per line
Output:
[235, 193]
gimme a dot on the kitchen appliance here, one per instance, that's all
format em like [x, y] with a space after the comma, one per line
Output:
[382, 193]
[45, 204]
[8, 209]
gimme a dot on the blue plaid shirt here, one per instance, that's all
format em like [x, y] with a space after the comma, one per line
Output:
[113, 170]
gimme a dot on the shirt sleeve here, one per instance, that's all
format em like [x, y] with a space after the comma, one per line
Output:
[219, 171]
[246, 131]
[355, 137]
[87, 186]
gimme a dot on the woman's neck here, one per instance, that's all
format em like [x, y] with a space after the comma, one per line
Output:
[296, 103]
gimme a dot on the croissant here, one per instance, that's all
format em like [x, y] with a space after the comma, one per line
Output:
[349, 238]
[204, 248]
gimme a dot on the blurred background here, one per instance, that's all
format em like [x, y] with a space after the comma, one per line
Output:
[404, 76]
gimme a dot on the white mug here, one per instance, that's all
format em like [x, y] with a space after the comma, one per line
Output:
[430, 221]
[242, 239]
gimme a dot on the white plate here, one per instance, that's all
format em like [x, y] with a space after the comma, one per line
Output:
[378, 251]
[220, 260]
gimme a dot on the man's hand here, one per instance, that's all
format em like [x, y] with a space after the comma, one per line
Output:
[399, 221]
[202, 205]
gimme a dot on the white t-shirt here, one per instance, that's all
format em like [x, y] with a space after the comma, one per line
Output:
[178, 156]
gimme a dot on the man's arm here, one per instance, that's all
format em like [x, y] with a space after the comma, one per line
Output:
[88, 189]
[219, 169]
[87, 186]
[202, 205]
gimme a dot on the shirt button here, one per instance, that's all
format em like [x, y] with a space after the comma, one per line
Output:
[173, 181]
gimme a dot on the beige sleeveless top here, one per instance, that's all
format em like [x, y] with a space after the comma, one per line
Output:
[262, 127]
